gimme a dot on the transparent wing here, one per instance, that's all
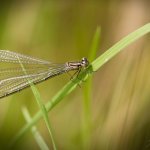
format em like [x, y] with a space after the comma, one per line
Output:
[12, 57]
[13, 78]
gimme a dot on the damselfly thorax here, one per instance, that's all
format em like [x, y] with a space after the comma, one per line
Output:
[13, 78]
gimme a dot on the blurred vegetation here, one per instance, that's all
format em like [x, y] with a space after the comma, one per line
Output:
[61, 31]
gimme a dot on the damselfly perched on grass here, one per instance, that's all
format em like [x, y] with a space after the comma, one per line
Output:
[13, 78]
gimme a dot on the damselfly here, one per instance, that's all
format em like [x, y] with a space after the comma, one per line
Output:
[14, 79]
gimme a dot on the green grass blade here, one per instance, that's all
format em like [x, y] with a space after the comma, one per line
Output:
[95, 44]
[38, 138]
[119, 46]
[41, 106]
[44, 113]
[87, 121]
[95, 65]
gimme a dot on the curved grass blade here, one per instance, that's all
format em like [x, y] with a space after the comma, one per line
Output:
[95, 65]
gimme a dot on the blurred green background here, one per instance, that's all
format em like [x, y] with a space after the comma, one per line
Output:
[60, 31]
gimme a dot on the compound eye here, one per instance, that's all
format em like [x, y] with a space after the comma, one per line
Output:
[85, 62]
[84, 59]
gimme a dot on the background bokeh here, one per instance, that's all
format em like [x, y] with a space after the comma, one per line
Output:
[61, 31]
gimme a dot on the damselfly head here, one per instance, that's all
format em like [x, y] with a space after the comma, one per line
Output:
[84, 62]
